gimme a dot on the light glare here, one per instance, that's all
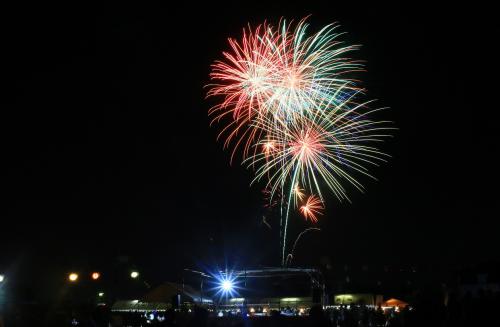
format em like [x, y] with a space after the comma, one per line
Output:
[73, 277]
[227, 286]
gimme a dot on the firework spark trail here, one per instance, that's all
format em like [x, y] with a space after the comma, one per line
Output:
[289, 103]
[289, 257]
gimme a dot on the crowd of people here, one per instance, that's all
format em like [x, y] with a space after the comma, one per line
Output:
[457, 311]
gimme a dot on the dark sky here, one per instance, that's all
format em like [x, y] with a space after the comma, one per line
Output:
[107, 152]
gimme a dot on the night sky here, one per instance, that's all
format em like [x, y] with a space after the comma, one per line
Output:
[107, 153]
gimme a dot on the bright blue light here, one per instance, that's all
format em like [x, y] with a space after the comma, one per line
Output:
[227, 286]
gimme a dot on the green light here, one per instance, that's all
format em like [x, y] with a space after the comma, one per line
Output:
[237, 299]
[290, 299]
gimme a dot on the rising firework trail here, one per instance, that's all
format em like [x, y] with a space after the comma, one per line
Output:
[290, 103]
[289, 257]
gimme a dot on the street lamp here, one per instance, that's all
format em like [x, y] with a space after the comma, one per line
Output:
[134, 274]
[95, 275]
[73, 277]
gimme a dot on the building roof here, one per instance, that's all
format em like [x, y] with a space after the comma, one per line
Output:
[166, 291]
[136, 305]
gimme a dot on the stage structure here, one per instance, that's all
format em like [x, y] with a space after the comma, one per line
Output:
[255, 292]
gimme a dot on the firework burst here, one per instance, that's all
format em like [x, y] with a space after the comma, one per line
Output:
[312, 208]
[280, 73]
[289, 102]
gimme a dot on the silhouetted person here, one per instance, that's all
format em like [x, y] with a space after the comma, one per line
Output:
[317, 317]
[200, 317]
